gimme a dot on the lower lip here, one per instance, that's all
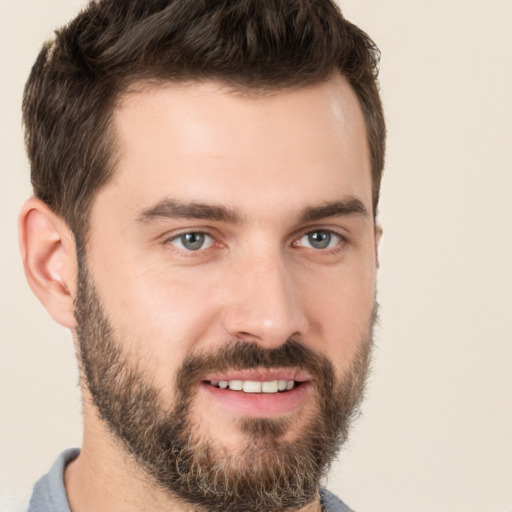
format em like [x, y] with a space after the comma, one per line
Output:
[259, 405]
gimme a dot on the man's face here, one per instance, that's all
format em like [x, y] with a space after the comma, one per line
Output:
[234, 248]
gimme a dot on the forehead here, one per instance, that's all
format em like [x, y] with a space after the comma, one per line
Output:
[202, 141]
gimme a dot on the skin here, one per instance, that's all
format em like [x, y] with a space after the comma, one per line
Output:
[268, 158]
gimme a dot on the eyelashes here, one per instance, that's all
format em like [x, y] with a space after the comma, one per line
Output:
[317, 240]
[192, 241]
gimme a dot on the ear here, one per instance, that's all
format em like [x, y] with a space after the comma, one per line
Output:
[378, 236]
[49, 259]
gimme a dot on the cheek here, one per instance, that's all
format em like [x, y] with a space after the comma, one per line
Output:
[341, 313]
[159, 318]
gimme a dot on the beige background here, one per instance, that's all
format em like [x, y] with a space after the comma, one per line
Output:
[436, 430]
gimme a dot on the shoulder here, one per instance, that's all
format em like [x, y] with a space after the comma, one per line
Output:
[331, 503]
[49, 494]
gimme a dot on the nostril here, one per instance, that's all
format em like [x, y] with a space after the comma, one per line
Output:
[269, 324]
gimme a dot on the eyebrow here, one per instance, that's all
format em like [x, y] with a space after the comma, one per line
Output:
[348, 207]
[170, 208]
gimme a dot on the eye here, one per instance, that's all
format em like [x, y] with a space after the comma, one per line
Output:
[319, 239]
[193, 241]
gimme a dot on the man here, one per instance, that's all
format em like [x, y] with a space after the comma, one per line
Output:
[206, 179]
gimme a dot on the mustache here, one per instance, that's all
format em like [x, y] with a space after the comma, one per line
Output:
[242, 355]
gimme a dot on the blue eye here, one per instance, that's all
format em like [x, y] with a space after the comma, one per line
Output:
[320, 239]
[193, 241]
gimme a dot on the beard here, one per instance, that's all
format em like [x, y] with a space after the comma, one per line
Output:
[267, 474]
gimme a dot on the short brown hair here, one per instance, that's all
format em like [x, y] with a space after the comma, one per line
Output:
[253, 45]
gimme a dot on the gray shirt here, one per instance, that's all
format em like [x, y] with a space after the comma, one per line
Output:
[49, 494]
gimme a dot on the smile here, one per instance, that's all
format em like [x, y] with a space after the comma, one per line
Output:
[260, 393]
[252, 386]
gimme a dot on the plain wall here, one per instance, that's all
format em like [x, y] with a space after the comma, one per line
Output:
[436, 429]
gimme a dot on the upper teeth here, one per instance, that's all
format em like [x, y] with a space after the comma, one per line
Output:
[252, 386]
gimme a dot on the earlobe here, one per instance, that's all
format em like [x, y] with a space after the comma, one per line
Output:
[49, 259]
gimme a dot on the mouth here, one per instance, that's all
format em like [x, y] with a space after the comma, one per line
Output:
[267, 393]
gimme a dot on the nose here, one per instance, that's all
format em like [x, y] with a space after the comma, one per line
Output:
[264, 303]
